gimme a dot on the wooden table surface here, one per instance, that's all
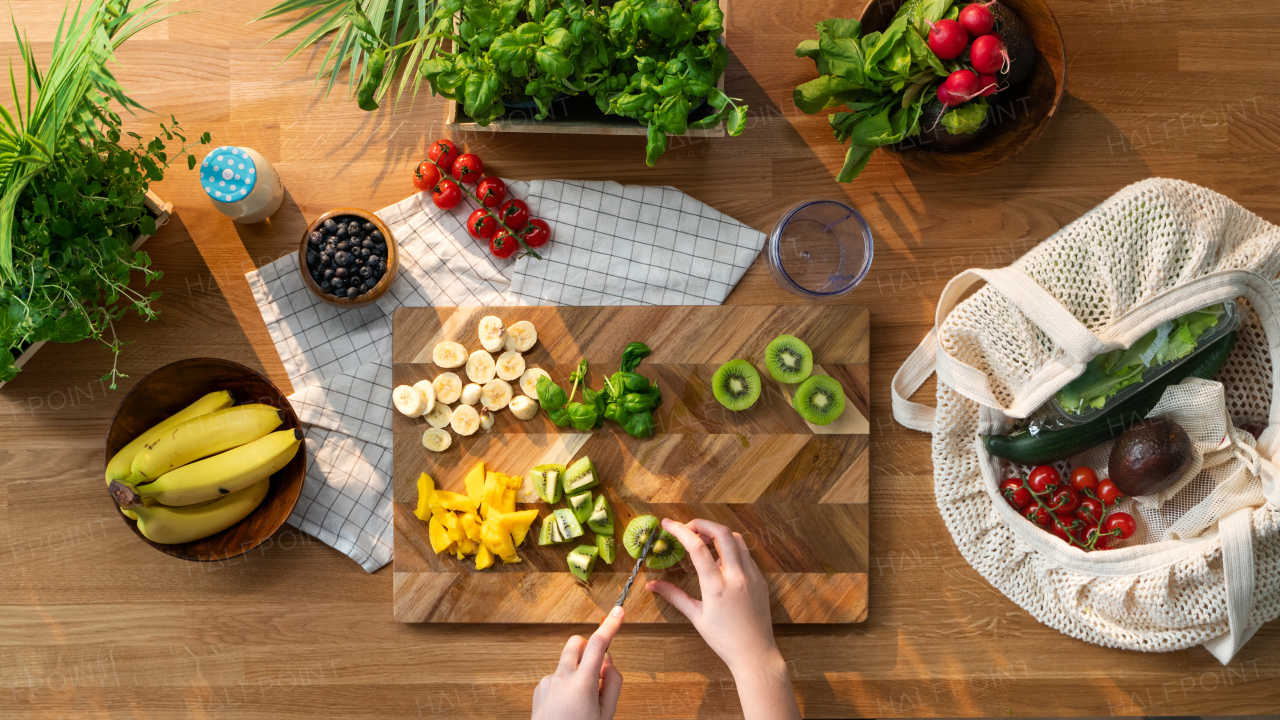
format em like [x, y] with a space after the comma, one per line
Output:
[95, 623]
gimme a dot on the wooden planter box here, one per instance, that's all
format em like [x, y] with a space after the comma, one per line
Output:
[577, 115]
[161, 211]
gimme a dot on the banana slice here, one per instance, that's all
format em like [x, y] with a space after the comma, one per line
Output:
[408, 401]
[486, 419]
[449, 354]
[524, 407]
[439, 415]
[480, 367]
[465, 420]
[437, 439]
[428, 391]
[510, 365]
[521, 336]
[492, 333]
[529, 381]
[495, 394]
[470, 394]
[448, 386]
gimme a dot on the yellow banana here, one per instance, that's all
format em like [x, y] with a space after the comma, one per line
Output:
[170, 525]
[122, 462]
[213, 477]
[202, 436]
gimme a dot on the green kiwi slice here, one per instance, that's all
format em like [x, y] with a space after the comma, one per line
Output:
[608, 549]
[637, 534]
[736, 385]
[820, 400]
[788, 359]
[666, 551]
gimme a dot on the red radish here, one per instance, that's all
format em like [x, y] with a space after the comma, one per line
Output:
[947, 39]
[987, 85]
[959, 87]
[987, 54]
[977, 19]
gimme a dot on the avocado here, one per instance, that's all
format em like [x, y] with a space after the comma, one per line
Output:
[1017, 42]
[1150, 456]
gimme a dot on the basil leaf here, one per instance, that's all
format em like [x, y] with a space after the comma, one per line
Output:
[550, 395]
[639, 425]
[581, 415]
[632, 354]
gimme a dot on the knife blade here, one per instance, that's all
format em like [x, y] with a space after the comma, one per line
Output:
[644, 553]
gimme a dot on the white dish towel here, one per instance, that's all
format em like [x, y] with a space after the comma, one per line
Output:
[611, 245]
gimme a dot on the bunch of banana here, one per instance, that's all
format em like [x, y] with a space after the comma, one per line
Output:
[202, 470]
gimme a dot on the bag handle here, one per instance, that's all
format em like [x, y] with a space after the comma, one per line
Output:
[1236, 534]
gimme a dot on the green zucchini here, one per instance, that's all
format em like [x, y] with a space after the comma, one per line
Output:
[1048, 446]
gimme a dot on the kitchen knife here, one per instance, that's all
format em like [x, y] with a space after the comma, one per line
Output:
[644, 553]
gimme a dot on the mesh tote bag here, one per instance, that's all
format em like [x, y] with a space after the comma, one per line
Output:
[1203, 567]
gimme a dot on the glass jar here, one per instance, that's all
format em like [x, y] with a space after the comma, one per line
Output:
[241, 184]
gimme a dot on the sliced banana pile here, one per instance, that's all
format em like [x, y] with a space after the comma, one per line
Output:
[489, 386]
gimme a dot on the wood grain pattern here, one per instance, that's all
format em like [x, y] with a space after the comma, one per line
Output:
[796, 491]
[98, 624]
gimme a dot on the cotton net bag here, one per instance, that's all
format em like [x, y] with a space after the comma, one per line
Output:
[1203, 567]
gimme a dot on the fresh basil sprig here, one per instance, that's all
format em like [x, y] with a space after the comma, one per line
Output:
[628, 398]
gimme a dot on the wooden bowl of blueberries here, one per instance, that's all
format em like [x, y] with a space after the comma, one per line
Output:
[348, 257]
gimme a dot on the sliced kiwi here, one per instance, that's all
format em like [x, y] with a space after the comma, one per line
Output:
[580, 504]
[600, 520]
[608, 549]
[550, 532]
[820, 399]
[546, 481]
[666, 551]
[736, 385]
[788, 359]
[579, 476]
[637, 534]
[582, 560]
[568, 525]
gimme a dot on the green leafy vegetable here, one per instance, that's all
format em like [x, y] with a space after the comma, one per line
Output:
[628, 398]
[967, 118]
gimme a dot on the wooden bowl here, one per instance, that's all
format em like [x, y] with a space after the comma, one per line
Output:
[177, 385]
[1020, 118]
[379, 289]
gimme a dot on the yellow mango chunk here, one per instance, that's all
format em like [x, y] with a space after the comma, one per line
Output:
[484, 558]
[453, 528]
[471, 526]
[474, 482]
[465, 548]
[508, 501]
[455, 501]
[500, 543]
[426, 486]
[491, 495]
[514, 481]
[512, 521]
[439, 536]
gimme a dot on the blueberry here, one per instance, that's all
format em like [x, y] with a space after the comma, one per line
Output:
[312, 258]
[326, 261]
[368, 244]
[343, 245]
[366, 272]
[341, 232]
[329, 274]
[337, 283]
[330, 247]
[317, 275]
[381, 249]
[376, 235]
[316, 238]
[368, 227]
[364, 253]
[352, 292]
[376, 274]
[341, 272]
[342, 258]
[353, 228]
[330, 225]
[325, 287]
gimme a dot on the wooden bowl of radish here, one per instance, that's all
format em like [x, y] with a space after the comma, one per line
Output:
[1021, 109]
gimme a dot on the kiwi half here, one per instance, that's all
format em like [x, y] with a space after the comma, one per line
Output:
[637, 534]
[736, 385]
[820, 400]
[788, 359]
[666, 550]
[582, 560]
[581, 505]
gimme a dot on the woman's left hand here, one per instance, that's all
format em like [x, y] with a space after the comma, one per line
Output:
[586, 685]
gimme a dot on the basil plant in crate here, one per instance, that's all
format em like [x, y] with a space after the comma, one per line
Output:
[72, 196]
[656, 61]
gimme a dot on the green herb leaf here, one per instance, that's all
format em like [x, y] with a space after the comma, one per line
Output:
[550, 395]
[632, 354]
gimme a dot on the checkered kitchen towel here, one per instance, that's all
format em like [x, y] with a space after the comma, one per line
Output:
[611, 245]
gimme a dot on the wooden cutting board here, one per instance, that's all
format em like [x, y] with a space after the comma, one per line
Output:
[797, 492]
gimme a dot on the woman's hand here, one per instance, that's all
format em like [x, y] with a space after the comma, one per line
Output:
[586, 685]
[733, 616]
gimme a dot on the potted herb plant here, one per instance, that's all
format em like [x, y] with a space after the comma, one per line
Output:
[74, 191]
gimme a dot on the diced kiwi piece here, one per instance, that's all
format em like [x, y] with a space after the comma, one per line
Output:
[637, 534]
[820, 399]
[788, 359]
[546, 481]
[608, 549]
[666, 551]
[579, 476]
[600, 520]
[580, 504]
[550, 532]
[736, 385]
[582, 560]
[568, 525]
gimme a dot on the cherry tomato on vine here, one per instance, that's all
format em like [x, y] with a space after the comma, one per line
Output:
[536, 233]
[1107, 492]
[1120, 524]
[1059, 531]
[1084, 478]
[1015, 492]
[1090, 510]
[1044, 479]
[426, 176]
[491, 191]
[446, 195]
[514, 213]
[481, 224]
[468, 168]
[1037, 515]
[503, 244]
[1084, 531]
[1064, 501]
[443, 153]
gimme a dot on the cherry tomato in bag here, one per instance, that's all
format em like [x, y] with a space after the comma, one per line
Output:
[1016, 492]
[1084, 478]
[1107, 492]
[1044, 479]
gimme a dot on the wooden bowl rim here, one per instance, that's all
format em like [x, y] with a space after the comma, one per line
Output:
[378, 290]
[1059, 71]
[291, 422]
